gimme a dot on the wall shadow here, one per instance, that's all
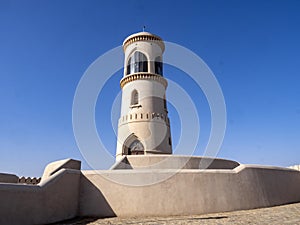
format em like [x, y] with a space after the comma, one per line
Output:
[92, 202]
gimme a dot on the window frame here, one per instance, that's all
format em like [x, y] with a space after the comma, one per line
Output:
[158, 65]
[137, 62]
[134, 97]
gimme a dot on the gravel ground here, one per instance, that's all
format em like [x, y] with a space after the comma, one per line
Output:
[286, 214]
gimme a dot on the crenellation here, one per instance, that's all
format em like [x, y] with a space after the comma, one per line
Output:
[155, 116]
[29, 180]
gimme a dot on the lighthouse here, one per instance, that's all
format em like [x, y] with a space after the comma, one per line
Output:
[144, 125]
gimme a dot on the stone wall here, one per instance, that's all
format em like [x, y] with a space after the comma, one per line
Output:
[54, 199]
[155, 190]
[172, 162]
[295, 167]
[8, 178]
[186, 191]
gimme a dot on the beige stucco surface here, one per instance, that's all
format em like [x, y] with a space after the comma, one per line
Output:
[186, 192]
[172, 162]
[8, 178]
[54, 199]
[53, 167]
[295, 167]
[152, 191]
[148, 120]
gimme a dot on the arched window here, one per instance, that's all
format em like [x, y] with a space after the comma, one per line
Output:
[137, 63]
[158, 65]
[134, 97]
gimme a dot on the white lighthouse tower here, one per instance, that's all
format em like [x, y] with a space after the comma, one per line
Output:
[144, 126]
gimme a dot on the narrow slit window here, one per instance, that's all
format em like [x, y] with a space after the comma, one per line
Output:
[134, 97]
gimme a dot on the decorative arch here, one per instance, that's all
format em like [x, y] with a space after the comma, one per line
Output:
[137, 62]
[133, 146]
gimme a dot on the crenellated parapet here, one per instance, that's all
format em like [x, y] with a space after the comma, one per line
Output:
[150, 116]
[29, 180]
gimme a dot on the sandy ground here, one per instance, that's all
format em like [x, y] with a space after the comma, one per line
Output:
[286, 214]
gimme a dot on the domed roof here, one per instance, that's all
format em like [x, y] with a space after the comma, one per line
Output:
[143, 36]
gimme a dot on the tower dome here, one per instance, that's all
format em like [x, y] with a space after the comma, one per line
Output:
[142, 36]
[144, 126]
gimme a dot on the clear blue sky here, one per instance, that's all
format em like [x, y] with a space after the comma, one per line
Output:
[252, 47]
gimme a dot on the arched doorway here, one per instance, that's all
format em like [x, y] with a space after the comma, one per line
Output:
[133, 146]
[136, 148]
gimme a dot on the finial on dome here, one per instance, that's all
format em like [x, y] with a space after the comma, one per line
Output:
[144, 27]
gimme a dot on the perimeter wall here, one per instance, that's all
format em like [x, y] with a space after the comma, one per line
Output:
[142, 186]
